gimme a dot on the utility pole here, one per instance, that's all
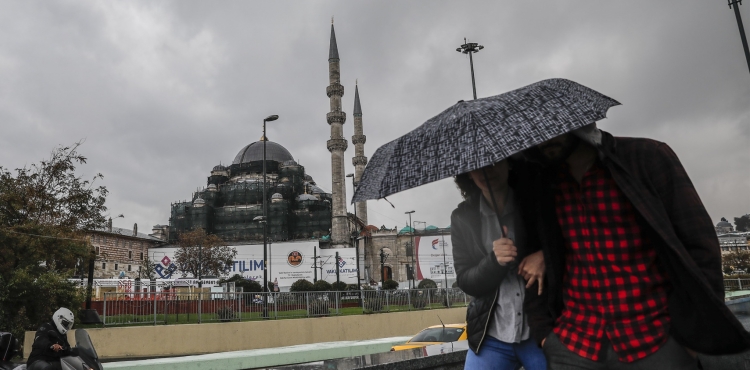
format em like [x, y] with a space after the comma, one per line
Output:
[383, 257]
[337, 268]
[736, 4]
[315, 264]
[412, 245]
[470, 48]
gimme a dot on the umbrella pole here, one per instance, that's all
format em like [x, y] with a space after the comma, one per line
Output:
[494, 202]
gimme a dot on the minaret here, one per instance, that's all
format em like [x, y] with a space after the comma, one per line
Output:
[337, 145]
[359, 160]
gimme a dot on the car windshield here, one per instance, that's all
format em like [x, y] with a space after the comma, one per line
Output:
[438, 335]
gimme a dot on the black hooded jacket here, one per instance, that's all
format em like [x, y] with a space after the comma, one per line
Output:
[477, 271]
[45, 337]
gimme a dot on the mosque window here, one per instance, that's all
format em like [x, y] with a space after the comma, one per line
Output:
[130, 255]
[104, 265]
[116, 267]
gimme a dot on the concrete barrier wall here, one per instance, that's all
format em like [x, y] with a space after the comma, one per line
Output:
[191, 339]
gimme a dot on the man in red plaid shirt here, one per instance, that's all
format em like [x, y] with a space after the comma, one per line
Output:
[633, 263]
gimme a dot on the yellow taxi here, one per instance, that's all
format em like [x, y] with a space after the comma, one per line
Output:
[435, 334]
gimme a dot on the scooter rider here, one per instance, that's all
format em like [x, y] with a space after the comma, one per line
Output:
[51, 342]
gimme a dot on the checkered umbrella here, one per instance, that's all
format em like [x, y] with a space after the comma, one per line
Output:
[477, 133]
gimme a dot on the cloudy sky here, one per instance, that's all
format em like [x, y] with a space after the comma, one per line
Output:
[163, 91]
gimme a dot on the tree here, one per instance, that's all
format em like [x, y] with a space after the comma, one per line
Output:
[390, 284]
[201, 254]
[738, 260]
[45, 213]
[321, 286]
[247, 285]
[341, 286]
[427, 284]
[301, 285]
[742, 223]
[148, 268]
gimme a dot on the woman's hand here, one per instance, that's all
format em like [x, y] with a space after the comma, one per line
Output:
[532, 269]
[505, 250]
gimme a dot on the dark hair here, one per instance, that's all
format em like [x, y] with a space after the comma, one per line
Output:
[466, 185]
[468, 188]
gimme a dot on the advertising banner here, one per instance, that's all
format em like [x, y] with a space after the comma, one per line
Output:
[287, 263]
[434, 258]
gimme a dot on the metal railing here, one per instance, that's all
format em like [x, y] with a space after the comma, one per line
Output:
[152, 308]
[736, 284]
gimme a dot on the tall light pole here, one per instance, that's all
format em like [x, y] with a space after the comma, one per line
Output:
[413, 269]
[736, 4]
[265, 217]
[355, 240]
[470, 48]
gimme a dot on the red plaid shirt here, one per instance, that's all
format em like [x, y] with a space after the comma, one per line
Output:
[613, 285]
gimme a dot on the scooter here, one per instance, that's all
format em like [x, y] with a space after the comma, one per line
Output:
[84, 355]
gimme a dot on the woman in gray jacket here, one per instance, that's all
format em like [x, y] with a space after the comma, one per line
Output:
[488, 242]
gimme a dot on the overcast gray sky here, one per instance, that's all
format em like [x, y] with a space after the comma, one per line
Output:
[163, 91]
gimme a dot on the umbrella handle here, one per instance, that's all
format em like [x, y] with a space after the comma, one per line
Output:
[494, 202]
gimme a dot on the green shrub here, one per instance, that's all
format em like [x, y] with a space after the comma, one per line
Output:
[427, 284]
[321, 286]
[339, 286]
[390, 284]
[301, 285]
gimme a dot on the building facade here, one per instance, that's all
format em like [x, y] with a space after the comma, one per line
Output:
[120, 253]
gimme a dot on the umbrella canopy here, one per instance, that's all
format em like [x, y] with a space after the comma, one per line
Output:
[477, 133]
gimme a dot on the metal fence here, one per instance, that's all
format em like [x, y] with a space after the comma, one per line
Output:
[202, 306]
[736, 284]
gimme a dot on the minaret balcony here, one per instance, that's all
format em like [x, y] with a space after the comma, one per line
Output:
[359, 160]
[336, 117]
[337, 145]
[335, 89]
[359, 139]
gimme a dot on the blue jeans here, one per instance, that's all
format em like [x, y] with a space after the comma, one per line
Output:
[497, 355]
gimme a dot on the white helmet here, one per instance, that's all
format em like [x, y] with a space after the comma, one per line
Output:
[63, 319]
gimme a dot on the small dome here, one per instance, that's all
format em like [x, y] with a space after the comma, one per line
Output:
[219, 168]
[317, 190]
[277, 196]
[431, 227]
[290, 163]
[302, 197]
[308, 178]
[284, 179]
[723, 224]
[212, 187]
[199, 202]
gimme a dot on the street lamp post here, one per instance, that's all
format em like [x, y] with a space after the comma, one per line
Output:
[736, 4]
[412, 247]
[265, 219]
[470, 48]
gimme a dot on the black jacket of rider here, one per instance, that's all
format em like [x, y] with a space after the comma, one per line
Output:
[46, 336]
[478, 273]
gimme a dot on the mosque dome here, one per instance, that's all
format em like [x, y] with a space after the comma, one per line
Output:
[219, 168]
[199, 202]
[723, 223]
[288, 163]
[277, 196]
[306, 197]
[254, 152]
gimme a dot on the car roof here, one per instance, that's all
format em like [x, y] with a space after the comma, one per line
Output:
[448, 326]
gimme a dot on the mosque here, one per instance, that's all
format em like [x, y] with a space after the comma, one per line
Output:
[230, 203]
